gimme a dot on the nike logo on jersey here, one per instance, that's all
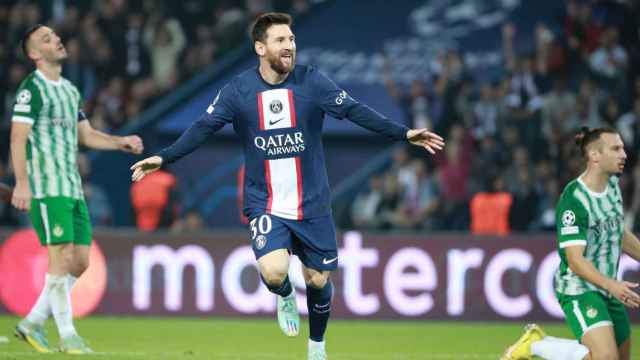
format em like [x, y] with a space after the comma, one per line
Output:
[276, 121]
[327, 262]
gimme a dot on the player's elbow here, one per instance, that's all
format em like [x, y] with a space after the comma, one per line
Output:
[575, 264]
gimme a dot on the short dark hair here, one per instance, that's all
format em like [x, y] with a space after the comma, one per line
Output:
[265, 21]
[25, 39]
[587, 136]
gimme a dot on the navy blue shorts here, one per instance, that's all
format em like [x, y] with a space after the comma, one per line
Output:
[312, 240]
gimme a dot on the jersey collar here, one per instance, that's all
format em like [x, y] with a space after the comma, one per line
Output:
[591, 192]
[51, 82]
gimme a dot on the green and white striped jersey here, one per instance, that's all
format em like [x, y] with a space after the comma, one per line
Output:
[53, 108]
[595, 220]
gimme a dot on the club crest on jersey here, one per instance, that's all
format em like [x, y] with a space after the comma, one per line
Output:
[261, 241]
[592, 313]
[276, 106]
[23, 97]
[568, 218]
[58, 231]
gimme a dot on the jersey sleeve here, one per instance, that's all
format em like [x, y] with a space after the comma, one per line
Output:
[28, 104]
[338, 103]
[330, 97]
[81, 114]
[218, 114]
[572, 222]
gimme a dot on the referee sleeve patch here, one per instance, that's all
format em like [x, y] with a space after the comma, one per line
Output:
[569, 230]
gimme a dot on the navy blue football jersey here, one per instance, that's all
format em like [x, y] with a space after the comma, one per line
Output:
[280, 127]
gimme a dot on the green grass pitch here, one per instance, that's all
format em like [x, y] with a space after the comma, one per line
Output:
[237, 339]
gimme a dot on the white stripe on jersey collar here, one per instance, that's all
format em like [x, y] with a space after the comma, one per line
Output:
[52, 82]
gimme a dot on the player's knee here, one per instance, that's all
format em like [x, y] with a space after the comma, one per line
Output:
[273, 276]
[317, 280]
[80, 265]
[604, 354]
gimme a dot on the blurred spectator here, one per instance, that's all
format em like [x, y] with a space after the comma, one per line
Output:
[558, 106]
[366, 206]
[485, 114]
[190, 223]
[610, 61]
[155, 201]
[78, 71]
[490, 209]
[629, 126]
[421, 210]
[165, 40]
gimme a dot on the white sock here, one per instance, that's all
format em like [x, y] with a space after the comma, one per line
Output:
[60, 300]
[316, 344]
[553, 348]
[41, 309]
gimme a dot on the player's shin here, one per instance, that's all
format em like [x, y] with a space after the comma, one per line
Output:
[60, 300]
[41, 309]
[319, 306]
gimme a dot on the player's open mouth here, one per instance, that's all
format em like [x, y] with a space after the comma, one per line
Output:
[286, 59]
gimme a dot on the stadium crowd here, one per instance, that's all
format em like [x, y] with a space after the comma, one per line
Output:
[510, 146]
[510, 140]
[122, 56]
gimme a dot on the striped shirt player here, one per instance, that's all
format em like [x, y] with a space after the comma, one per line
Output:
[47, 126]
[596, 221]
[53, 109]
[591, 237]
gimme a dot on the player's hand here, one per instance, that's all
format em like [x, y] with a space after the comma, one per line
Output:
[426, 139]
[144, 167]
[131, 144]
[623, 291]
[21, 198]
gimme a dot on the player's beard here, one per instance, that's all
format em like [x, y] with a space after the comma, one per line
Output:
[278, 66]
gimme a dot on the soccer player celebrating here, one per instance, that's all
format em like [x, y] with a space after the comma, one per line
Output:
[591, 238]
[47, 126]
[277, 109]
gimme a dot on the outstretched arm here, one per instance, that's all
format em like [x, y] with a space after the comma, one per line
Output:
[336, 102]
[96, 139]
[219, 113]
[186, 144]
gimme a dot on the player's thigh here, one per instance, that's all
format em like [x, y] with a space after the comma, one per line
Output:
[624, 350]
[271, 242]
[601, 343]
[81, 224]
[585, 312]
[620, 319]
[315, 243]
[52, 219]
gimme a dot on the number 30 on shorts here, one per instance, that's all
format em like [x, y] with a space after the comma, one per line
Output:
[260, 225]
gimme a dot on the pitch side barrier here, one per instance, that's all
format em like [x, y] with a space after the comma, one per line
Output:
[385, 276]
